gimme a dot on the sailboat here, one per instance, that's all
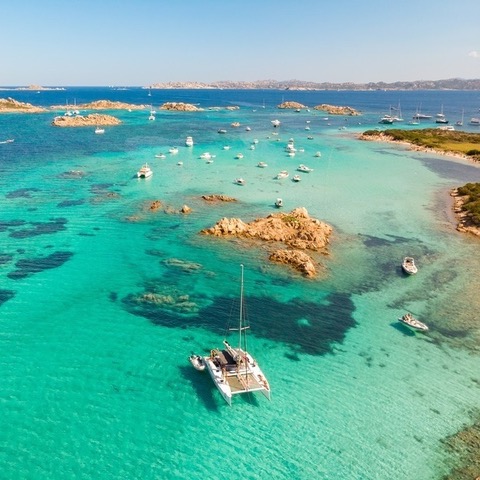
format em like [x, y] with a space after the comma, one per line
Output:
[459, 123]
[233, 369]
[440, 117]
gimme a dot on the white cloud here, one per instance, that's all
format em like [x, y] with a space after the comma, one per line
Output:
[474, 54]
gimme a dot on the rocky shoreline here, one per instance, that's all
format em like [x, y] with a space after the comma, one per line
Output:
[9, 105]
[296, 231]
[464, 223]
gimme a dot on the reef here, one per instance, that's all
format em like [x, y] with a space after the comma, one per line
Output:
[218, 198]
[296, 230]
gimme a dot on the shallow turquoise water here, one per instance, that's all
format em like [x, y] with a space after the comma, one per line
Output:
[97, 385]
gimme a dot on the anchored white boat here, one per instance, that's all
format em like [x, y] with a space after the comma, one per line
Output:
[282, 174]
[276, 123]
[304, 168]
[197, 361]
[279, 203]
[296, 178]
[408, 266]
[189, 142]
[145, 172]
[240, 181]
[411, 321]
[233, 369]
[262, 165]
[99, 130]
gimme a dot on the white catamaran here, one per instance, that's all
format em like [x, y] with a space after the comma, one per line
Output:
[233, 369]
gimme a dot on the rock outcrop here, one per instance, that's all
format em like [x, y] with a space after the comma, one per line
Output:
[294, 105]
[336, 110]
[92, 120]
[9, 105]
[295, 230]
[218, 198]
[180, 107]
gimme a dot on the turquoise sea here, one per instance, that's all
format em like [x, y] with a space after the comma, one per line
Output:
[95, 381]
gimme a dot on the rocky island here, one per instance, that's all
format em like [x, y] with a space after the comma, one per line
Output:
[92, 120]
[296, 231]
[336, 110]
[291, 105]
[180, 107]
[9, 105]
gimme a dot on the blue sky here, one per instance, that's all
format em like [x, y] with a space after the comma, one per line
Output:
[140, 42]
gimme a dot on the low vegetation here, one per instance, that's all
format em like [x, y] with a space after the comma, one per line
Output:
[472, 203]
[463, 143]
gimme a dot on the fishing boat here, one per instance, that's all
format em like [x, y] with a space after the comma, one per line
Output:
[197, 361]
[144, 172]
[233, 369]
[411, 321]
[408, 266]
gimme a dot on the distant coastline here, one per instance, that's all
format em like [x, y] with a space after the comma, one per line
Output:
[446, 84]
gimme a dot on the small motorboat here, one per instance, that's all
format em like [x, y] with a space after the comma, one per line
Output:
[262, 165]
[282, 174]
[189, 142]
[296, 178]
[206, 156]
[226, 147]
[304, 169]
[239, 156]
[173, 150]
[160, 155]
[99, 130]
[240, 181]
[222, 130]
[279, 203]
[318, 154]
[144, 172]
[408, 266]
[411, 321]
[197, 361]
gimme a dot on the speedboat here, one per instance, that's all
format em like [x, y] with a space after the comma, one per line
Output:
[276, 123]
[411, 321]
[226, 147]
[198, 362]
[239, 156]
[282, 174]
[206, 156]
[173, 150]
[296, 178]
[145, 172]
[318, 154]
[222, 130]
[262, 164]
[304, 168]
[240, 181]
[160, 155]
[189, 142]
[99, 130]
[279, 203]
[408, 266]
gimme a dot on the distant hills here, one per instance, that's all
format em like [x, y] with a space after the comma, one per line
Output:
[449, 84]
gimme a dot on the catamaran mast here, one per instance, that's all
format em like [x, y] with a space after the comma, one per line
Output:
[241, 309]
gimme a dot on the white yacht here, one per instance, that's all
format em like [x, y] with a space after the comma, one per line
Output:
[189, 142]
[233, 369]
[145, 172]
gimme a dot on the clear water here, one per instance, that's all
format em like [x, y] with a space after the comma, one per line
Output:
[96, 383]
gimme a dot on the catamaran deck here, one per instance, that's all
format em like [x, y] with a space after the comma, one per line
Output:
[243, 383]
